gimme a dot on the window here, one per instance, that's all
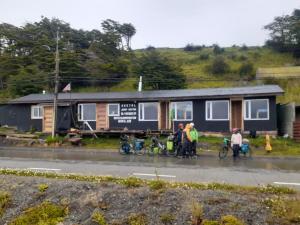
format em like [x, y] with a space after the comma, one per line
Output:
[148, 111]
[182, 111]
[113, 109]
[37, 112]
[256, 109]
[87, 112]
[217, 110]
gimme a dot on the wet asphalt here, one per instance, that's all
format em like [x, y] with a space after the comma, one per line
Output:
[206, 168]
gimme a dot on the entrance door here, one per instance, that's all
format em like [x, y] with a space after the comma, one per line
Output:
[236, 114]
[48, 119]
[163, 120]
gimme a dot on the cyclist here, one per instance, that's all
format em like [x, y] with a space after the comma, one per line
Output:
[194, 137]
[236, 142]
[178, 139]
[187, 140]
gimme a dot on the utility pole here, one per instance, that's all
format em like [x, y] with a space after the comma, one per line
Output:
[56, 83]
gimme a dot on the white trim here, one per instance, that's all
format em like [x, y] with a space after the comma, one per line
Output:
[257, 99]
[108, 113]
[175, 109]
[211, 110]
[141, 104]
[80, 108]
[41, 112]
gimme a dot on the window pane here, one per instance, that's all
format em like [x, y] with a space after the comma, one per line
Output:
[220, 110]
[247, 109]
[259, 109]
[89, 112]
[150, 111]
[184, 110]
[113, 110]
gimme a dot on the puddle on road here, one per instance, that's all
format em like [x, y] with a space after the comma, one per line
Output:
[204, 161]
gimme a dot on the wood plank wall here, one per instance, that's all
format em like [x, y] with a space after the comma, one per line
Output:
[101, 118]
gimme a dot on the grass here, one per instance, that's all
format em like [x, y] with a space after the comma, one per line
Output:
[43, 187]
[269, 189]
[102, 142]
[137, 219]
[197, 213]
[230, 220]
[167, 218]
[4, 202]
[45, 213]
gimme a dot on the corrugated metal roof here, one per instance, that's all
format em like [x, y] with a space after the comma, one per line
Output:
[155, 95]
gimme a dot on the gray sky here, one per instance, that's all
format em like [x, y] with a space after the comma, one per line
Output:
[161, 23]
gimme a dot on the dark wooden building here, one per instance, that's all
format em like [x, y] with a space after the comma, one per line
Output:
[212, 110]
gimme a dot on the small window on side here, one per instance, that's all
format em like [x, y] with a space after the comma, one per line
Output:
[37, 112]
[113, 109]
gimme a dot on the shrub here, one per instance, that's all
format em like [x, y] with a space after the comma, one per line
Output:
[210, 222]
[242, 58]
[219, 66]
[98, 218]
[246, 69]
[244, 47]
[157, 184]
[192, 48]
[204, 56]
[43, 187]
[197, 213]
[218, 50]
[52, 140]
[230, 220]
[4, 202]
[45, 213]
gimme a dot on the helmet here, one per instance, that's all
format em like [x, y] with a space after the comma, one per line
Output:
[192, 125]
[234, 130]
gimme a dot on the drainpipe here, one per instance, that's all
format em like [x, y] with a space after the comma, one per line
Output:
[140, 84]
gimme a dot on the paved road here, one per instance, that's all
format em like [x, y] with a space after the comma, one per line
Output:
[257, 171]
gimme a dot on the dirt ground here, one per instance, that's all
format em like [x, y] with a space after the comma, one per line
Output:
[118, 202]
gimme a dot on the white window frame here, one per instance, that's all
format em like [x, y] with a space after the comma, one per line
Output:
[175, 109]
[141, 104]
[250, 100]
[32, 112]
[211, 110]
[117, 104]
[80, 108]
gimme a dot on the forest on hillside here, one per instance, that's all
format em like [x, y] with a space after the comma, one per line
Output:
[103, 60]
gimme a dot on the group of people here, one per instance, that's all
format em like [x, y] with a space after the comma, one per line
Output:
[185, 139]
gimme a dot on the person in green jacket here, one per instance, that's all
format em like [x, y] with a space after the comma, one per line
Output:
[194, 136]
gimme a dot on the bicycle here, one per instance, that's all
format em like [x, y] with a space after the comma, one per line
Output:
[134, 146]
[244, 149]
[157, 147]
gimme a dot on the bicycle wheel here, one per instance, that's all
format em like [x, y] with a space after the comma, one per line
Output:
[249, 153]
[150, 151]
[124, 149]
[223, 152]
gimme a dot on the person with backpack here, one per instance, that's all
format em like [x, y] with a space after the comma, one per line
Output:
[178, 139]
[187, 140]
[195, 137]
[236, 142]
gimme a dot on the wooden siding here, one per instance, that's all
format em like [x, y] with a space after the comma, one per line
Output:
[297, 131]
[101, 116]
[48, 119]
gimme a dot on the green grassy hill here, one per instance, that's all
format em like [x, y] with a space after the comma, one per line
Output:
[194, 65]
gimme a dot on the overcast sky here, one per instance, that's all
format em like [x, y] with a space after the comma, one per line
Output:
[161, 23]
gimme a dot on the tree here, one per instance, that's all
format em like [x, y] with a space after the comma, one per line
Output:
[127, 31]
[246, 69]
[285, 33]
[218, 66]
[159, 72]
[217, 49]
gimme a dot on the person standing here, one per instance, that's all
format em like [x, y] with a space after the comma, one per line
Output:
[236, 142]
[187, 140]
[194, 137]
[178, 139]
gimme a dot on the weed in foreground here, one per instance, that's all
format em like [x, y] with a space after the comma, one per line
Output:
[167, 218]
[157, 185]
[197, 213]
[230, 220]
[4, 202]
[210, 222]
[98, 218]
[45, 213]
[137, 219]
[43, 187]
[132, 182]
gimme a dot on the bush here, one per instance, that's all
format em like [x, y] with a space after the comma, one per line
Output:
[218, 50]
[132, 182]
[219, 66]
[246, 69]
[53, 140]
[137, 219]
[157, 184]
[167, 218]
[43, 187]
[192, 48]
[204, 56]
[244, 47]
[242, 58]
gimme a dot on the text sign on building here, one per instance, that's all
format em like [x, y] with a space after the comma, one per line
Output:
[127, 113]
